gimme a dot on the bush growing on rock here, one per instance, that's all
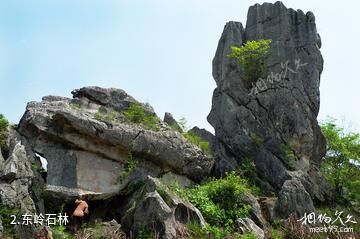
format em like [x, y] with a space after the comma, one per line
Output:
[198, 141]
[251, 57]
[6, 219]
[4, 123]
[137, 114]
[109, 116]
[192, 137]
[219, 201]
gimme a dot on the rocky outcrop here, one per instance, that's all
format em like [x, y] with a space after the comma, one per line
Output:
[20, 187]
[155, 207]
[170, 120]
[124, 167]
[89, 144]
[94, 149]
[246, 225]
[294, 199]
[272, 121]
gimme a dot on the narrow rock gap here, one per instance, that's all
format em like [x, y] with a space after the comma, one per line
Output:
[44, 165]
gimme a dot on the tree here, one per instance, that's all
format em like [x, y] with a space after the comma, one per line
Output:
[4, 124]
[251, 57]
[341, 164]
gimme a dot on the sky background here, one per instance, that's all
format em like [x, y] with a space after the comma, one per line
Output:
[159, 51]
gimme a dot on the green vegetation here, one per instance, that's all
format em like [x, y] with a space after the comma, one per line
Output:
[276, 234]
[106, 116]
[257, 140]
[341, 164]
[75, 105]
[129, 167]
[194, 138]
[251, 58]
[144, 233]
[136, 114]
[248, 236]
[195, 231]
[4, 123]
[6, 213]
[219, 201]
[288, 155]
[61, 232]
[198, 141]
[182, 122]
[247, 169]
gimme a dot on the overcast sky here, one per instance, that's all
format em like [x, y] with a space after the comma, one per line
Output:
[159, 51]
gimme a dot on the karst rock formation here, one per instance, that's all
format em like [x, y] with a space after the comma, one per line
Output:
[272, 122]
[124, 168]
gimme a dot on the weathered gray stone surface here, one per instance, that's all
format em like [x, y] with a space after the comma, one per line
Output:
[255, 212]
[1, 158]
[155, 206]
[115, 98]
[171, 121]
[86, 150]
[246, 225]
[20, 184]
[92, 150]
[271, 119]
[294, 199]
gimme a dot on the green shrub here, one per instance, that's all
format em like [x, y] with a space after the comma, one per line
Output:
[257, 140]
[247, 169]
[137, 114]
[145, 233]
[341, 164]
[61, 232]
[197, 232]
[6, 213]
[198, 141]
[4, 134]
[248, 236]
[75, 105]
[192, 137]
[129, 167]
[4, 123]
[251, 58]
[106, 116]
[213, 232]
[183, 124]
[288, 155]
[219, 200]
[276, 234]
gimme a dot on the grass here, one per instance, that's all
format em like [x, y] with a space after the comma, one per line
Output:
[136, 114]
[198, 141]
[219, 201]
[195, 231]
[75, 105]
[106, 116]
[192, 137]
[61, 232]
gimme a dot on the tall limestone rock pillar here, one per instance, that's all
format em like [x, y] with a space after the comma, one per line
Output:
[272, 121]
